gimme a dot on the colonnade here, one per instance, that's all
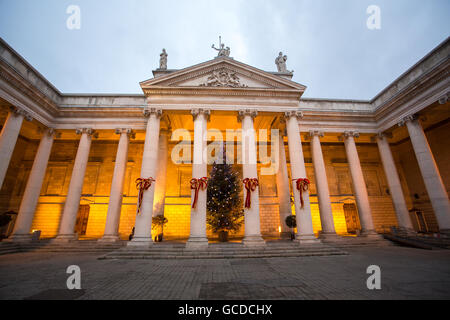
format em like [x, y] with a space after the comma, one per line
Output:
[153, 169]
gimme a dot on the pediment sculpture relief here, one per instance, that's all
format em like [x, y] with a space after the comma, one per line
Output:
[223, 78]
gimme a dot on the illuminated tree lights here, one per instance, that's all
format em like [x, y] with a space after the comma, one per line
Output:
[224, 202]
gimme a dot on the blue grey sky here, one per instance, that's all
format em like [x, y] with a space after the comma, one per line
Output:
[327, 42]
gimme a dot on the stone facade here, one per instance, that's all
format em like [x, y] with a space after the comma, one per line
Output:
[272, 101]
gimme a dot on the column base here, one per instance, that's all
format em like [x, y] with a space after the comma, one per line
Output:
[285, 235]
[197, 243]
[370, 234]
[62, 238]
[253, 241]
[405, 232]
[140, 242]
[19, 238]
[329, 236]
[109, 238]
[306, 239]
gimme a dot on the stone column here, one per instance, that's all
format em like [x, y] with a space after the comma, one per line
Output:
[284, 195]
[161, 176]
[115, 197]
[33, 188]
[323, 193]
[430, 173]
[197, 237]
[143, 224]
[395, 188]
[250, 170]
[8, 138]
[305, 233]
[359, 186]
[69, 216]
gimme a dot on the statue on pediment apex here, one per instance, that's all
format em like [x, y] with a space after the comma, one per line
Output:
[222, 51]
[163, 60]
[280, 61]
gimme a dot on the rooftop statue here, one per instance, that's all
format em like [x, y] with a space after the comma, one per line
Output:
[222, 51]
[280, 61]
[163, 60]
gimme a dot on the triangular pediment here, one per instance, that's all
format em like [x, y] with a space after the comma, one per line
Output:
[222, 73]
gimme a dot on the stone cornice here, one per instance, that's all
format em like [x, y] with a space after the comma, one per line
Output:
[438, 75]
[19, 88]
[431, 61]
[223, 91]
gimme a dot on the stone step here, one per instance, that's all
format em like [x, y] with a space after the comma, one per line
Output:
[244, 249]
[420, 242]
[45, 246]
[222, 252]
[119, 250]
[219, 256]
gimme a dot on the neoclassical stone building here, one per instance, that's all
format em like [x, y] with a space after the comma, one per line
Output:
[69, 162]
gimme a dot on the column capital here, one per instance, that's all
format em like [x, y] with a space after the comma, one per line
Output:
[246, 112]
[49, 131]
[318, 133]
[197, 111]
[149, 111]
[88, 131]
[444, 98]
[128, 131]
[20, 111]
[404, 120]
[381, 136]
[348, 134]
[293, 113]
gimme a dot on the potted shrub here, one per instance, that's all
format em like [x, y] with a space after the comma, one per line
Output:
[291, 222]
[158, 223]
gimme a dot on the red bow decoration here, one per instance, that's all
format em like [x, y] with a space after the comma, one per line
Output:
[302, 185]
[197, 184]
[142, 184]
[250, 185]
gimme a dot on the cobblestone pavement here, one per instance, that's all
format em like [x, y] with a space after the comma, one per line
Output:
[406, 273]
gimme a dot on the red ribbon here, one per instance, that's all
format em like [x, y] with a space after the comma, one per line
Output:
[250, 185]
[142, 184]
[197, 184]
[302, 185]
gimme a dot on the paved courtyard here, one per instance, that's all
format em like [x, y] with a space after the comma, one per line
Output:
[406, 273]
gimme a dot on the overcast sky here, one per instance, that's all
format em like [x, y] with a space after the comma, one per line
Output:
[327, 42]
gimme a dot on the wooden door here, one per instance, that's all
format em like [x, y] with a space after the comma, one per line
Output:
[82, 219]
[351, 217]
[421, 222]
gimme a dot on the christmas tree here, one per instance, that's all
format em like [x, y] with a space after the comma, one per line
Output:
[224, 202]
